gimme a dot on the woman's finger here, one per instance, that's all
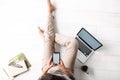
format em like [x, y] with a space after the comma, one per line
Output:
[61, 62]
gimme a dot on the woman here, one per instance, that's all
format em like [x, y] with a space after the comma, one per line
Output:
[64, 70]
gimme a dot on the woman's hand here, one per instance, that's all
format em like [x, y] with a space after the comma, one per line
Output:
[47, 66]
[64, 69]
[62, 66]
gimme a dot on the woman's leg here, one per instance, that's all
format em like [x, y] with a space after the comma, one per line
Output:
[49, 35]
[70, 53]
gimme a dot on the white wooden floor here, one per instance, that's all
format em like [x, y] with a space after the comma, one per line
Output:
[102, 19]
[18, 32]
[103, 65]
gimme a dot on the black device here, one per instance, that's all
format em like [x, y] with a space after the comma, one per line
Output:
[56, 57]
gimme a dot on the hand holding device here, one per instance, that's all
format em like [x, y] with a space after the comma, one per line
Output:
[64, 69]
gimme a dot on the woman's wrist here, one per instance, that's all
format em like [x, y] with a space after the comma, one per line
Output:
[43, 73]
[67, 72]
[45, 69]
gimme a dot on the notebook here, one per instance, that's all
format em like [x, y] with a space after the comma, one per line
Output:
[88, 44]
